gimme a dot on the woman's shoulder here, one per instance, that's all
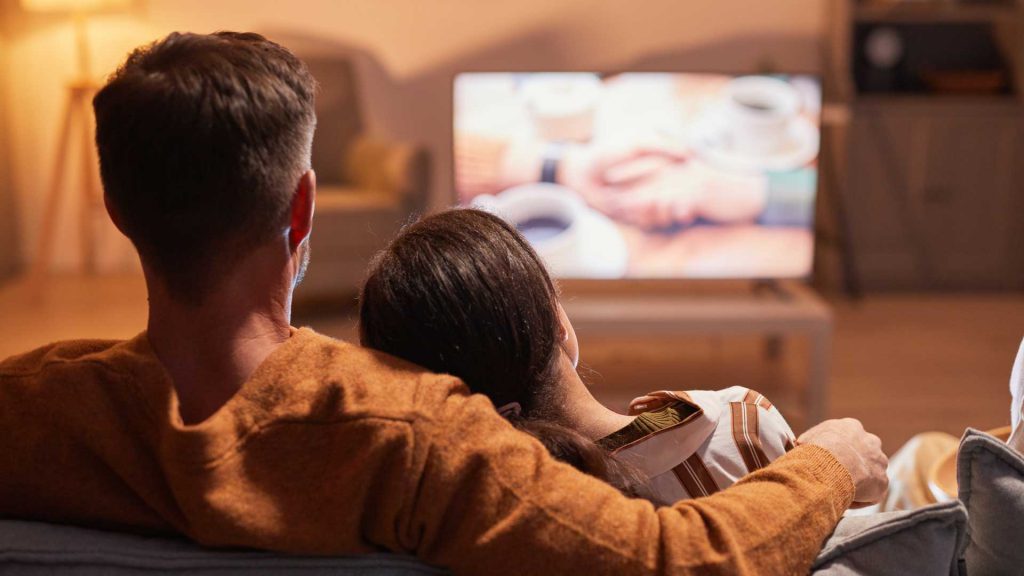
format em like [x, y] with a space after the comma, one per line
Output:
[370, 381]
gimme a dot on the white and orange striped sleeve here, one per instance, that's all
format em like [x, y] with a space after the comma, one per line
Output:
[773, 436]
[776, 435]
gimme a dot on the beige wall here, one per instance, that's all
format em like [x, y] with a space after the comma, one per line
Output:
[408, 51]
[411, 36]
[9, 236]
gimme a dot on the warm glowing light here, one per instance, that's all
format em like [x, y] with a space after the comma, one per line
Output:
[79, 6]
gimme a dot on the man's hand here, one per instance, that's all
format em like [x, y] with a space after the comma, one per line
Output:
[858, 451]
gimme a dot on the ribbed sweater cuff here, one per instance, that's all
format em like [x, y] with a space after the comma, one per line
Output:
[830, 472]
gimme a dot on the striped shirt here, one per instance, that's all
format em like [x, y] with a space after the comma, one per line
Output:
[695, 443]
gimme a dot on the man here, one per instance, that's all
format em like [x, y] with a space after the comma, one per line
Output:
[224, 423]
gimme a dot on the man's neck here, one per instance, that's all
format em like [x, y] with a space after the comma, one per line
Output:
[211, 349]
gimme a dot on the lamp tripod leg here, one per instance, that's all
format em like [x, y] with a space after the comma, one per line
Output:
[51, 210]
[90, 196]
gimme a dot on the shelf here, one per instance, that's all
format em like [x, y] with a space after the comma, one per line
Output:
[934, 11]
[939, 100]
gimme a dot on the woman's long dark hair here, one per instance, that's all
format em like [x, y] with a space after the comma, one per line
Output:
[463, 293]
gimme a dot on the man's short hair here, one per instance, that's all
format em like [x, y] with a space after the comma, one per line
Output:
[202, 139]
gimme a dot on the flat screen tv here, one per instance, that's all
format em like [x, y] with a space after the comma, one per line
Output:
[645, 175]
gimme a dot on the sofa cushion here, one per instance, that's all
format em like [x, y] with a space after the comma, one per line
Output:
[927, 540]
[29, 548]
[990, 475]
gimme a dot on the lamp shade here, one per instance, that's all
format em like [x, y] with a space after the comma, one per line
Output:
[75, 6]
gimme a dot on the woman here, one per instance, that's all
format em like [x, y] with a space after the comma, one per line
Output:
[463, 293]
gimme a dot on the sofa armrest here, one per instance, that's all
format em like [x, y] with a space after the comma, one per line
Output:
[400, 170]
[929, 540]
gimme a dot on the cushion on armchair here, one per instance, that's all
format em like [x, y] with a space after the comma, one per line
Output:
[990, 475]
[927, 540]
[395, 169]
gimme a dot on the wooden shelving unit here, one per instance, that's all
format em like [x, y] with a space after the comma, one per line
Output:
[1006, 17]
[932, 184]
[934, 11]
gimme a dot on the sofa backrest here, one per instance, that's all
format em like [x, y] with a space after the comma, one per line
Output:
[31, 549]
[929, 540]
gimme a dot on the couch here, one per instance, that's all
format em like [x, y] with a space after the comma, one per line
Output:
[926, 541]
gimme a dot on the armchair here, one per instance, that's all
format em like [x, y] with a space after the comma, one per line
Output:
[368, 187]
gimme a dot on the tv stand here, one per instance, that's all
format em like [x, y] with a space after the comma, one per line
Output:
[775, 309]
[770, 287]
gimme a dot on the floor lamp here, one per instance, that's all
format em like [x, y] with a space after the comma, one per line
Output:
[77, 113]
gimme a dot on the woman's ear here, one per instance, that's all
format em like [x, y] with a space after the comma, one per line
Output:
[303, 203]
[567, 337]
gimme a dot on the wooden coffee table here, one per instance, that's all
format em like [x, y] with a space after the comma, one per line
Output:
[773, 309]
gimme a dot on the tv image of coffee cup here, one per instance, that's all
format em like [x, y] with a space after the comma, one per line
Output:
[563, 104]
[758, 111]
[548, 216]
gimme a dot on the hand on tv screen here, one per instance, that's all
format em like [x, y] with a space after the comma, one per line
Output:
[658, 186]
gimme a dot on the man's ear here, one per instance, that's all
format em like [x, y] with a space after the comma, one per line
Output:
[303, 202]
[113, 212]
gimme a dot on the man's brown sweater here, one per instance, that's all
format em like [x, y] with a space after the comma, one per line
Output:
[333, 449]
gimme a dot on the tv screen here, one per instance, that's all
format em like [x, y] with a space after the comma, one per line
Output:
[645, 175]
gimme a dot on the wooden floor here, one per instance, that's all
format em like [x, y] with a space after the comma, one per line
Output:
[901, 364]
